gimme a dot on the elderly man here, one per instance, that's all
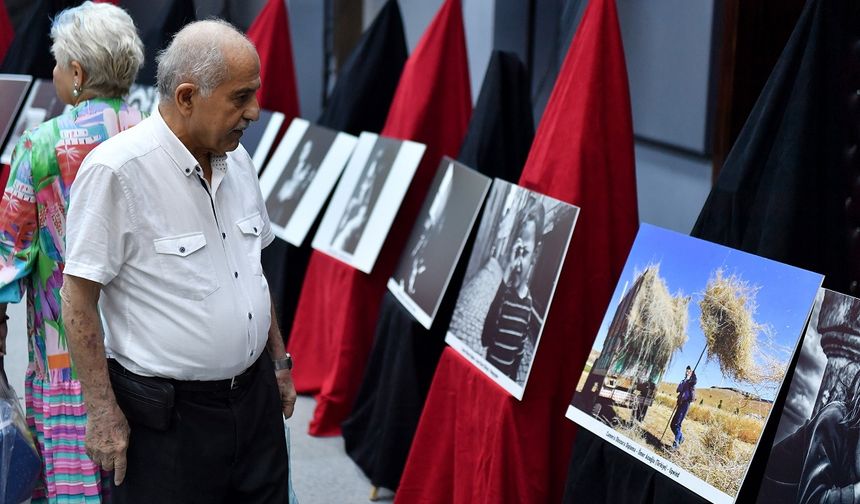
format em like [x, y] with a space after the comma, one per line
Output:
[166, 223]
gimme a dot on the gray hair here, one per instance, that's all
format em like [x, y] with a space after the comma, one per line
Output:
[103, 39]
[196, 55]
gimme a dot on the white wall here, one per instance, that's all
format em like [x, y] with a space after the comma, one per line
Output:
[671, 187]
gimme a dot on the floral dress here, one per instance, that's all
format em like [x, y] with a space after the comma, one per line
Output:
[32, 249]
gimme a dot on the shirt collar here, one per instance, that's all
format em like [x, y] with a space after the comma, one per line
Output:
[182, 157]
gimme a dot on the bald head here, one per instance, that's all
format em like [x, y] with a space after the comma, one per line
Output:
[200, 54]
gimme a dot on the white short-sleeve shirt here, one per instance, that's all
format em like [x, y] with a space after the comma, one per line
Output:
[183, 294]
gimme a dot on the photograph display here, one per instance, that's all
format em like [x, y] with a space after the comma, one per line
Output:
[509, 283]
[13, 91]
[437, 240]
[367, 199]
[690, 356]
[300, 176]
[815, 454]
[42, 104]
[143, 97]
[259, 136]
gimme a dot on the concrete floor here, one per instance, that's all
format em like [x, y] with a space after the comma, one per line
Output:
[321, 471]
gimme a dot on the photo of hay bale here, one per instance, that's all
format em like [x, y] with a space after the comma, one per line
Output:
[649, 325]
[690, 357]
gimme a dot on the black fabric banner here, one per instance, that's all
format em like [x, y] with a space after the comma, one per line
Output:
[359, 102]
[380, 430]
[157, 21]
[30, 52]
[789, 191]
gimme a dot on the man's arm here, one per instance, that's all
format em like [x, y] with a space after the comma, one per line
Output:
[107, 429]
[275, 345]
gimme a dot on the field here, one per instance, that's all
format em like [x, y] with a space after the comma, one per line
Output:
[718, 442]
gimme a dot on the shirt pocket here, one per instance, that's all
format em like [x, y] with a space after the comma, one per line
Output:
[186, 265]
[250, 228]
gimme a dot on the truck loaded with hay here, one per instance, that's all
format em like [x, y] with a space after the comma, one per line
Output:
[649, 325]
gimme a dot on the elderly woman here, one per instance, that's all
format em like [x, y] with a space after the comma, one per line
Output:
[98, 53]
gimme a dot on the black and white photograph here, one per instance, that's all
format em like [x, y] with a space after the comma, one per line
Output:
[815, 455]
[260, 135]
[510, 280]
[438, 238]
[42, 104]
[300, 176]
[144, 97]
[13, 91]
[367, 199]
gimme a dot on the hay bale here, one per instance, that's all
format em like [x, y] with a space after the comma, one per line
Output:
[727, 307]
[656, 328]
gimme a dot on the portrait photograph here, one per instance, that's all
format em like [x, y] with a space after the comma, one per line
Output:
[815, 454]
[367, 199]
[434, 248]
[13, 92]
[510, 279]
[42, 103]
[300, 176]
[691, 354]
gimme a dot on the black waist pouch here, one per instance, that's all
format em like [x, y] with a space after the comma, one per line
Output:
[144, 400]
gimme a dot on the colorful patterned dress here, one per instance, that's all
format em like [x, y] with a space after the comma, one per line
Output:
[32, 250]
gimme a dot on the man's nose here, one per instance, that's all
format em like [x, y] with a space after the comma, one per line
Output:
[252, 113]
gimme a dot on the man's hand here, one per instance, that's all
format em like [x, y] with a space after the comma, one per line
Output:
[287, 391]
[107, 439]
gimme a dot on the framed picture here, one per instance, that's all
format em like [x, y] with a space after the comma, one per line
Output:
[42, 104]
[300, 176]
[367, 199]
[437, 240]
[510, 280]
[814, 455]
[13, 91]
[690, 357]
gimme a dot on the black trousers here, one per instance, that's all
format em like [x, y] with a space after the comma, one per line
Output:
[222, 446]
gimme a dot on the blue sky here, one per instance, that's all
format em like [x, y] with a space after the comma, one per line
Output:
[784, 299]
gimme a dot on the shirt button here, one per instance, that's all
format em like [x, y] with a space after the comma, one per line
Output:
[250, 316]
[223, 236]
[235, 274]
[181, 250]
[188, 170]
[255, 230]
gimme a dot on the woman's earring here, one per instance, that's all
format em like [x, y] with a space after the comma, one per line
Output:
[76, 90]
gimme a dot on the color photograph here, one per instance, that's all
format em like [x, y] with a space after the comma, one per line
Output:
[300, 176]
[510, 280]
[815, 452]
[690, 357]
[434, 248]
[367, 199]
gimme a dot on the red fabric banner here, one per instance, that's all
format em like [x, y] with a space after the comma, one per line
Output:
[270, 32]
[7, 31]
[337, 311]
[476, 443]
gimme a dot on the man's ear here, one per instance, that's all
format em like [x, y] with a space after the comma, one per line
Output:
[183, 97]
